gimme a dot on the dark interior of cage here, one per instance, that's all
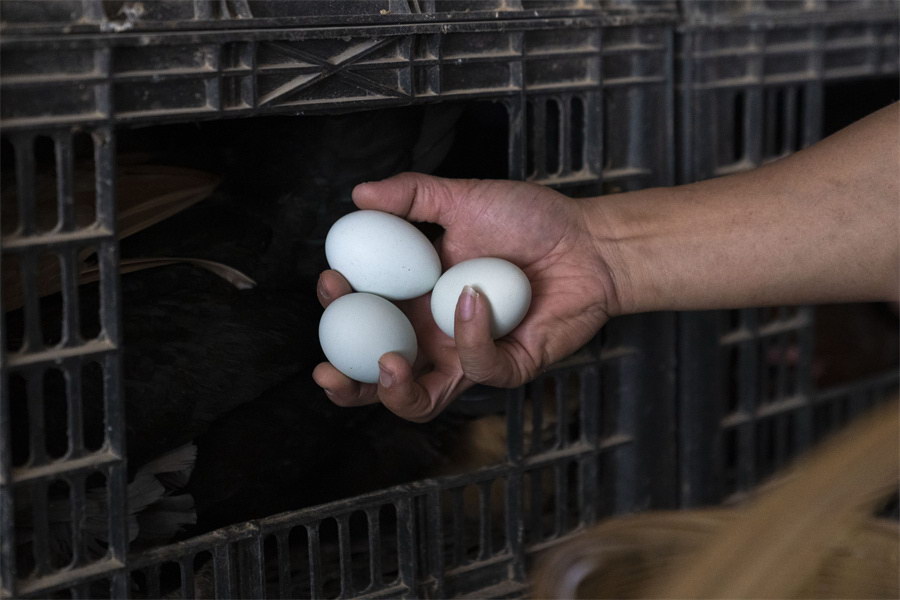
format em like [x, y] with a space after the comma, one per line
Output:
[223, 421]
[219, 255]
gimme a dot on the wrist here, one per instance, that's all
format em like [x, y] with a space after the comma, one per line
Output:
[607, 227]
[631, 238]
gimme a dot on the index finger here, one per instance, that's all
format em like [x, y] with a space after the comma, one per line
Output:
[413, 196]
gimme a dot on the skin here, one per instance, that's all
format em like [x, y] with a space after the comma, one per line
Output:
[818, 226]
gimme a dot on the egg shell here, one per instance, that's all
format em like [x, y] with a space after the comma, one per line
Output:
[382, 254]
[357, 329]
[505, 286]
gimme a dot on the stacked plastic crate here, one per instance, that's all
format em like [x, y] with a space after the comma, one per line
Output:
[751, 89]
[600, 96]
[589, 99]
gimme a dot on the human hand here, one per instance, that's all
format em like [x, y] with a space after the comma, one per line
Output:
[543, 232]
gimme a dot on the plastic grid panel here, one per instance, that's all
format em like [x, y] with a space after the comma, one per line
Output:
[48, 488]
[150, 78]
[223, 558]
[748, 412]
[638, 112]
[464, 534]
[833, 407]
[735, 10]
[750, 90]
[582, 474]
[59, 16]
[751, 95]
[553, 83]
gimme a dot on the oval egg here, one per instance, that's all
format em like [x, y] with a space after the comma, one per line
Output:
[382, 254]
[357, 329]
[505, 286]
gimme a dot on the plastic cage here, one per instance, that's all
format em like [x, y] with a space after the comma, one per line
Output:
[127, 15]
[751, 89]
[564, 97]
[598, 96]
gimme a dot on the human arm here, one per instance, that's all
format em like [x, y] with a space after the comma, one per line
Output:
[818, 226]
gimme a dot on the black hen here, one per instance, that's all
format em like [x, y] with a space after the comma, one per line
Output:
[232, 367]
[293, 448]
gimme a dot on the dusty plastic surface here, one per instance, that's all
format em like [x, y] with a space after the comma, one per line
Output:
[598, 96]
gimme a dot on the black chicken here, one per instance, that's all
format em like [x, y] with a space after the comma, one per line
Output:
[231, 368]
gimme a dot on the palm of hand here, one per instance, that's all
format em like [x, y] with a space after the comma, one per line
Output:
[535, 228]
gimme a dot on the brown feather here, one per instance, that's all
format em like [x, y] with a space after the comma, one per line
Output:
[146, 195]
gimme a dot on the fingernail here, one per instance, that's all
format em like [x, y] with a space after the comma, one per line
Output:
[322, 292]
[328, 392]
[467, 303]
[385, 377]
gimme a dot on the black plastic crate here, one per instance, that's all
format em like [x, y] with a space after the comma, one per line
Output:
[752, 93]
[706, 11]
[582, 111]
[116, 16]
[592, 97]
[752, 80]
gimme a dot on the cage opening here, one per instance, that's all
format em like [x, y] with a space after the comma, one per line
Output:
[739, 101]
[56, 407]
[732, 392]
[610, 408]
[578, 133]
[847, 101]
[554, 132]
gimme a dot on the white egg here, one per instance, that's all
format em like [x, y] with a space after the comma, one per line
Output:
[357, 329]
[380, 253]
[505, 286]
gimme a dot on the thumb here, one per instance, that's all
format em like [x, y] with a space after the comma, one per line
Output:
[413, 196]
[481, 359]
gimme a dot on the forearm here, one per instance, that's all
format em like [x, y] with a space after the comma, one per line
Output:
[818, 226]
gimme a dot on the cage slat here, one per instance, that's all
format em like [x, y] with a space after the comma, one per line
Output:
[561, 498]
[376, 570]
[40, 528]
[784, 366]
[345, 556]
[69, 271]
[458, 512]
[284, 562]
[251, 568]
[223, 571]
[537, 415]
[535, 513]
[28, 269]
[78, 516]
[62, 146]
[186, 571]
[436, 539]
[561, 397]
[588, 403]
[75, 416]
[484, 520]
[25, 173]
[315, 560]
[748, 400]
[406, 542]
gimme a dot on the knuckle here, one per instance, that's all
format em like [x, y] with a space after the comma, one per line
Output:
[478, 371]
